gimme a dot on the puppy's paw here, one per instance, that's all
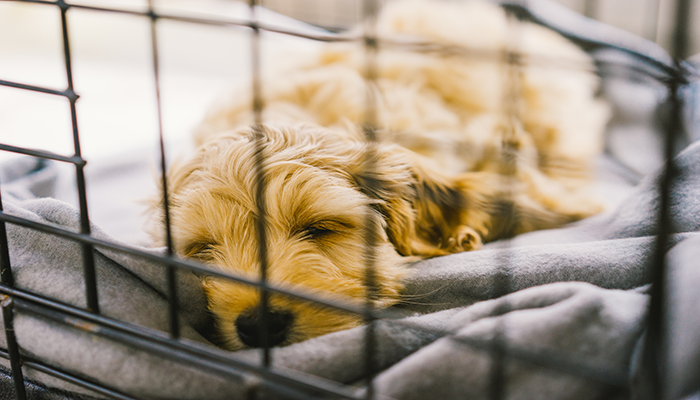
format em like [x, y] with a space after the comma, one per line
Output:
[464, 238]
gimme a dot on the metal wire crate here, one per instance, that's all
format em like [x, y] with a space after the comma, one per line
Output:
[275, 382]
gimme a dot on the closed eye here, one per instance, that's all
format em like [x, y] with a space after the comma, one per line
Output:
[201, 250]
[318, 231]
[323, 229]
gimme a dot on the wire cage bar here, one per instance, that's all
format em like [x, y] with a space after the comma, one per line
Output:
[88, 256]
[171, 345]
[170, 271]
[260, 205]
[656, 345]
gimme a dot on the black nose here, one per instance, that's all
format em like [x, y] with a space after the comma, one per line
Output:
[249, 323]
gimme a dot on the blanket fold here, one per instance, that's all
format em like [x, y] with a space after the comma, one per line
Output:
[574, 321]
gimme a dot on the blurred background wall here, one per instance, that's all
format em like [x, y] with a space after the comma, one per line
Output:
[652, 19]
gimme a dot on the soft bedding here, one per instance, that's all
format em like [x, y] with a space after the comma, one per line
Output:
[578, 294]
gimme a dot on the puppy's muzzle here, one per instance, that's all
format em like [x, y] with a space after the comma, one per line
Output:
[248, 326]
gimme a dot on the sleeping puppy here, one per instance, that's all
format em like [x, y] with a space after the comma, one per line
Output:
[470, 149]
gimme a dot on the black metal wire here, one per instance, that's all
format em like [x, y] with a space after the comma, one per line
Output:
[87, 249]
[7, 279]
[42, 154]
[656, 340]
[6, 276]
[655, 349]
[34, 88]
[7, 305]
[369, 11]
[260, 214]
[8, 317]
[69, 377]
[170, 272]
[184, 351]
[219, 362]
[512, 64]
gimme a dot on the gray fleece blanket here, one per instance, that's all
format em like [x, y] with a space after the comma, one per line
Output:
[570, 298]
[574, 297]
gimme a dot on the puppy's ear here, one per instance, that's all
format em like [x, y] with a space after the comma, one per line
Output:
[383, 173]
[206, 157]
[423, 208]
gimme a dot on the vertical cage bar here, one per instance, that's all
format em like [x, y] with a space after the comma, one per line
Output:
[12, 347]
[656, 341]
[6, 276]
[681, 34]
[170, 273]
[87, 249]
[7, 312]
[263, 322]
[369, 11]
[511, 62]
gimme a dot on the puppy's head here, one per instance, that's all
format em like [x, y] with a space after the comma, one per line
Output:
[316, 216]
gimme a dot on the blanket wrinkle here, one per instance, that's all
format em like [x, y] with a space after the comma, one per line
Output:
[593, 325]
[466, 278]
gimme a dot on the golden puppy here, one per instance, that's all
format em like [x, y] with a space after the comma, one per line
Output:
[470, 149]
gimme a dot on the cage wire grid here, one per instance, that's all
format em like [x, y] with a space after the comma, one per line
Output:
[275, 379]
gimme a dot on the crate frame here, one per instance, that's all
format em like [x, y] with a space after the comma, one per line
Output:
[290, 383]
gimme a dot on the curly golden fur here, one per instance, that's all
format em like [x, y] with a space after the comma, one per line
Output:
[451, 167]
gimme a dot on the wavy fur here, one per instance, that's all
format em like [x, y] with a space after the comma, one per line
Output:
[452, 168]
